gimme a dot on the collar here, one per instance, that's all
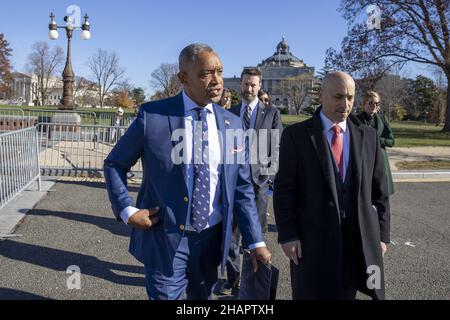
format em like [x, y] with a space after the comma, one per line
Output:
[190, 105]
[252, 104]
[328, 124]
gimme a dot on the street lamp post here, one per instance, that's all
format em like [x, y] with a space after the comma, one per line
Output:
[68, 75]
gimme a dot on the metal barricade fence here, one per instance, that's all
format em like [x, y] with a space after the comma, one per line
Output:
[11, 119]
[109, 119]
[46, 116]
[65, 144]
[18, 118]
[77, 147]
[19, 164]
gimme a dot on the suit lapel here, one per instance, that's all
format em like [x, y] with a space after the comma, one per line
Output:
[260, 115]
[223, 124]
[356, 149]
[320, 144]
[177, 121]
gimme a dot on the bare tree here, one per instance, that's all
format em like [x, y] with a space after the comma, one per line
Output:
[106, 72]
[121, 95]
[297, 89]
[441, 84]
[45, 63]
[409, 31]
[125, 86]
[393, 90]
[83, 90]
[165, 81]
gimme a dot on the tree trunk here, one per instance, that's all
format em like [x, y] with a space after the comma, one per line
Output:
[447, 112]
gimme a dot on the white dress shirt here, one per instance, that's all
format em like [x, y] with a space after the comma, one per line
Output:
[253, 105]
[327, 129]
[215, 167]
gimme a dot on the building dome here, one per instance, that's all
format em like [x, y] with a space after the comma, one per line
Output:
[283, 56]
[283, 47]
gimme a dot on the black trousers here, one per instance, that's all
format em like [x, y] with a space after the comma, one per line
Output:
[233, 264]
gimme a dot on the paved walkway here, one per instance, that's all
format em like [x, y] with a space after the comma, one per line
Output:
[73, 225]
[417, 154]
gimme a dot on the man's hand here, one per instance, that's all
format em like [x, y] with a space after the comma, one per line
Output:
[262, 254]
[293, 250]
[144, 219]
[383, 249]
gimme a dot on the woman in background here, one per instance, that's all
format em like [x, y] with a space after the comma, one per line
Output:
[371, 117]
[225, 101]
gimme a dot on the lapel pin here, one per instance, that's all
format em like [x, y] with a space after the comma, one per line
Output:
[227, 123]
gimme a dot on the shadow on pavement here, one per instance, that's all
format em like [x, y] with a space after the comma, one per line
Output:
[12, 294]
[110, 224]
[60, 260]
[100, 185]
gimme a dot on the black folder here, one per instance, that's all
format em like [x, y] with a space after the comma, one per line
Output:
[260, 285]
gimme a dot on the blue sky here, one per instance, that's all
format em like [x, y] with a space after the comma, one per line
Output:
[146, 33]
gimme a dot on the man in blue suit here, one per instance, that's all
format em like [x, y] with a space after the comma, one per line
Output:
[181, 225]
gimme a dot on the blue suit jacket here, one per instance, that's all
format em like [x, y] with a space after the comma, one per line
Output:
[164, 183]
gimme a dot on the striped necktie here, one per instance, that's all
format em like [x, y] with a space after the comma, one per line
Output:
[246, 118]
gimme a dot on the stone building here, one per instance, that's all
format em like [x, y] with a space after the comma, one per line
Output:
[285, 77]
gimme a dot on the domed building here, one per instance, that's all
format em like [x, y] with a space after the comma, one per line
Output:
[285, 77]
[283, 57]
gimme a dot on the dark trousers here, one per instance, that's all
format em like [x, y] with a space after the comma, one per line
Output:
[234, 258]
[194, 268]
[233, 264]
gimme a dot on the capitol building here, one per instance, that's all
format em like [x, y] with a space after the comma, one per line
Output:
[280, 72]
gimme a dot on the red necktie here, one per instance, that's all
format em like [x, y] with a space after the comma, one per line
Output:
[337, 148]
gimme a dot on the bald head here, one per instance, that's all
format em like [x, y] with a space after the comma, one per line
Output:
[332, 78]
[337, 96]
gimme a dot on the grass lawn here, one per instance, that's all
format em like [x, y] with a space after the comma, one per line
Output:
[291, 119]
[424, 165]
[417, 134]
[406, 133]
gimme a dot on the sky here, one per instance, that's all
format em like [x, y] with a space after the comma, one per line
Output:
[146, 33]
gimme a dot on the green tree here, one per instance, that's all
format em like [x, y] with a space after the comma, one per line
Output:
[138, 96]
[235, 97]
[423, 97]
[5, 67]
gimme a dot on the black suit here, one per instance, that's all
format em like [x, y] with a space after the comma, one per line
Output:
[339, 230]
[267, 118]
